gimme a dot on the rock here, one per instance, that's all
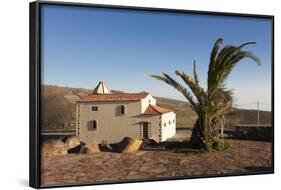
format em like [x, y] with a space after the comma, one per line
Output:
[80, 149]
[128, 145]
[53, 148]
[71, 142]
[105, 148]
[92, 147]
[149, 142]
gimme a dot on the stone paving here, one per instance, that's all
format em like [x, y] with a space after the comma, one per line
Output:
[244, 156]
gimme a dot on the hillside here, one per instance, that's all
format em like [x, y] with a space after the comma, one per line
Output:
[58, 109]
[186, 117]
[250, 116]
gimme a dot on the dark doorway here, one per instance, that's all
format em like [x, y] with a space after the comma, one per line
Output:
[145, 130]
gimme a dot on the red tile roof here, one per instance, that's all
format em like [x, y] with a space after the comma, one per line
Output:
[114, 97]
[155, 110]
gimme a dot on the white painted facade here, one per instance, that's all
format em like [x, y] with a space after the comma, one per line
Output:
[103, 122]
[168, 123]
[146, 101]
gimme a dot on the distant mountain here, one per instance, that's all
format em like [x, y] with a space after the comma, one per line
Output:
[245, 116]
[58, 109]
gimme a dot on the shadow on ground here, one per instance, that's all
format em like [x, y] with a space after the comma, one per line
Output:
[259, 168]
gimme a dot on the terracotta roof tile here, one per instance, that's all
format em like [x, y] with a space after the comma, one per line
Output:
[114, 97]
[155, 110]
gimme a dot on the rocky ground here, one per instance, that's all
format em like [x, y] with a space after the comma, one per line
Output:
[244, 156]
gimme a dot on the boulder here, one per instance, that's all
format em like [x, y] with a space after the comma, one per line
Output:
[106, 148]
[53, 148]
[80, 149]
[128, 145]
[149, 142]
[92, 147]
[71, 142]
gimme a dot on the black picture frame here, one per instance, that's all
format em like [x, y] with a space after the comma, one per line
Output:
[35, 90]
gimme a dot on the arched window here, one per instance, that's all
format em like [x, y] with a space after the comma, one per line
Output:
[122, 110]
[93, 125]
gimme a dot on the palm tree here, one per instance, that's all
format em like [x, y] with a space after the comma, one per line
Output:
[213, 103]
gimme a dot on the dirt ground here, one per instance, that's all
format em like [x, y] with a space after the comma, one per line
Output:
[181, 135]
[244, 156]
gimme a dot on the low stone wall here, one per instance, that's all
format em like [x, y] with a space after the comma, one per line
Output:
[253, 132]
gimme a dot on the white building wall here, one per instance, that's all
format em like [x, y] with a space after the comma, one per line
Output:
[146, 101]
[154, 126]
[111, 126]
[168, 125]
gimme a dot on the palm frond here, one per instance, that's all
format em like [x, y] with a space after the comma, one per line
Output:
[220, 98]
[227, 59]
[197, 90]
[236, 51]
[245, 44]
[170, 81]
[228, 66]
[213, 57]
[213, 76]
[195, 73]
[215, 50]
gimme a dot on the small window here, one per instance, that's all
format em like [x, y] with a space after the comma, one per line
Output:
[94, 108]
[122, 110]
[170, 122]
[165, 124]
[93, 125]
[173, 120]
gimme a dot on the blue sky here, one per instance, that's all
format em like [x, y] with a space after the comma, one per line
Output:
[83, 45]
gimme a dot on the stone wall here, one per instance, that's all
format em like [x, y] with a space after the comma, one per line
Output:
[253, 132]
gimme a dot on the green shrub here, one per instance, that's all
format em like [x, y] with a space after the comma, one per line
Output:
[221, 145]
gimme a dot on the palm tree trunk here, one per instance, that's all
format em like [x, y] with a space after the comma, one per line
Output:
[197, 137]
[201, 136]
